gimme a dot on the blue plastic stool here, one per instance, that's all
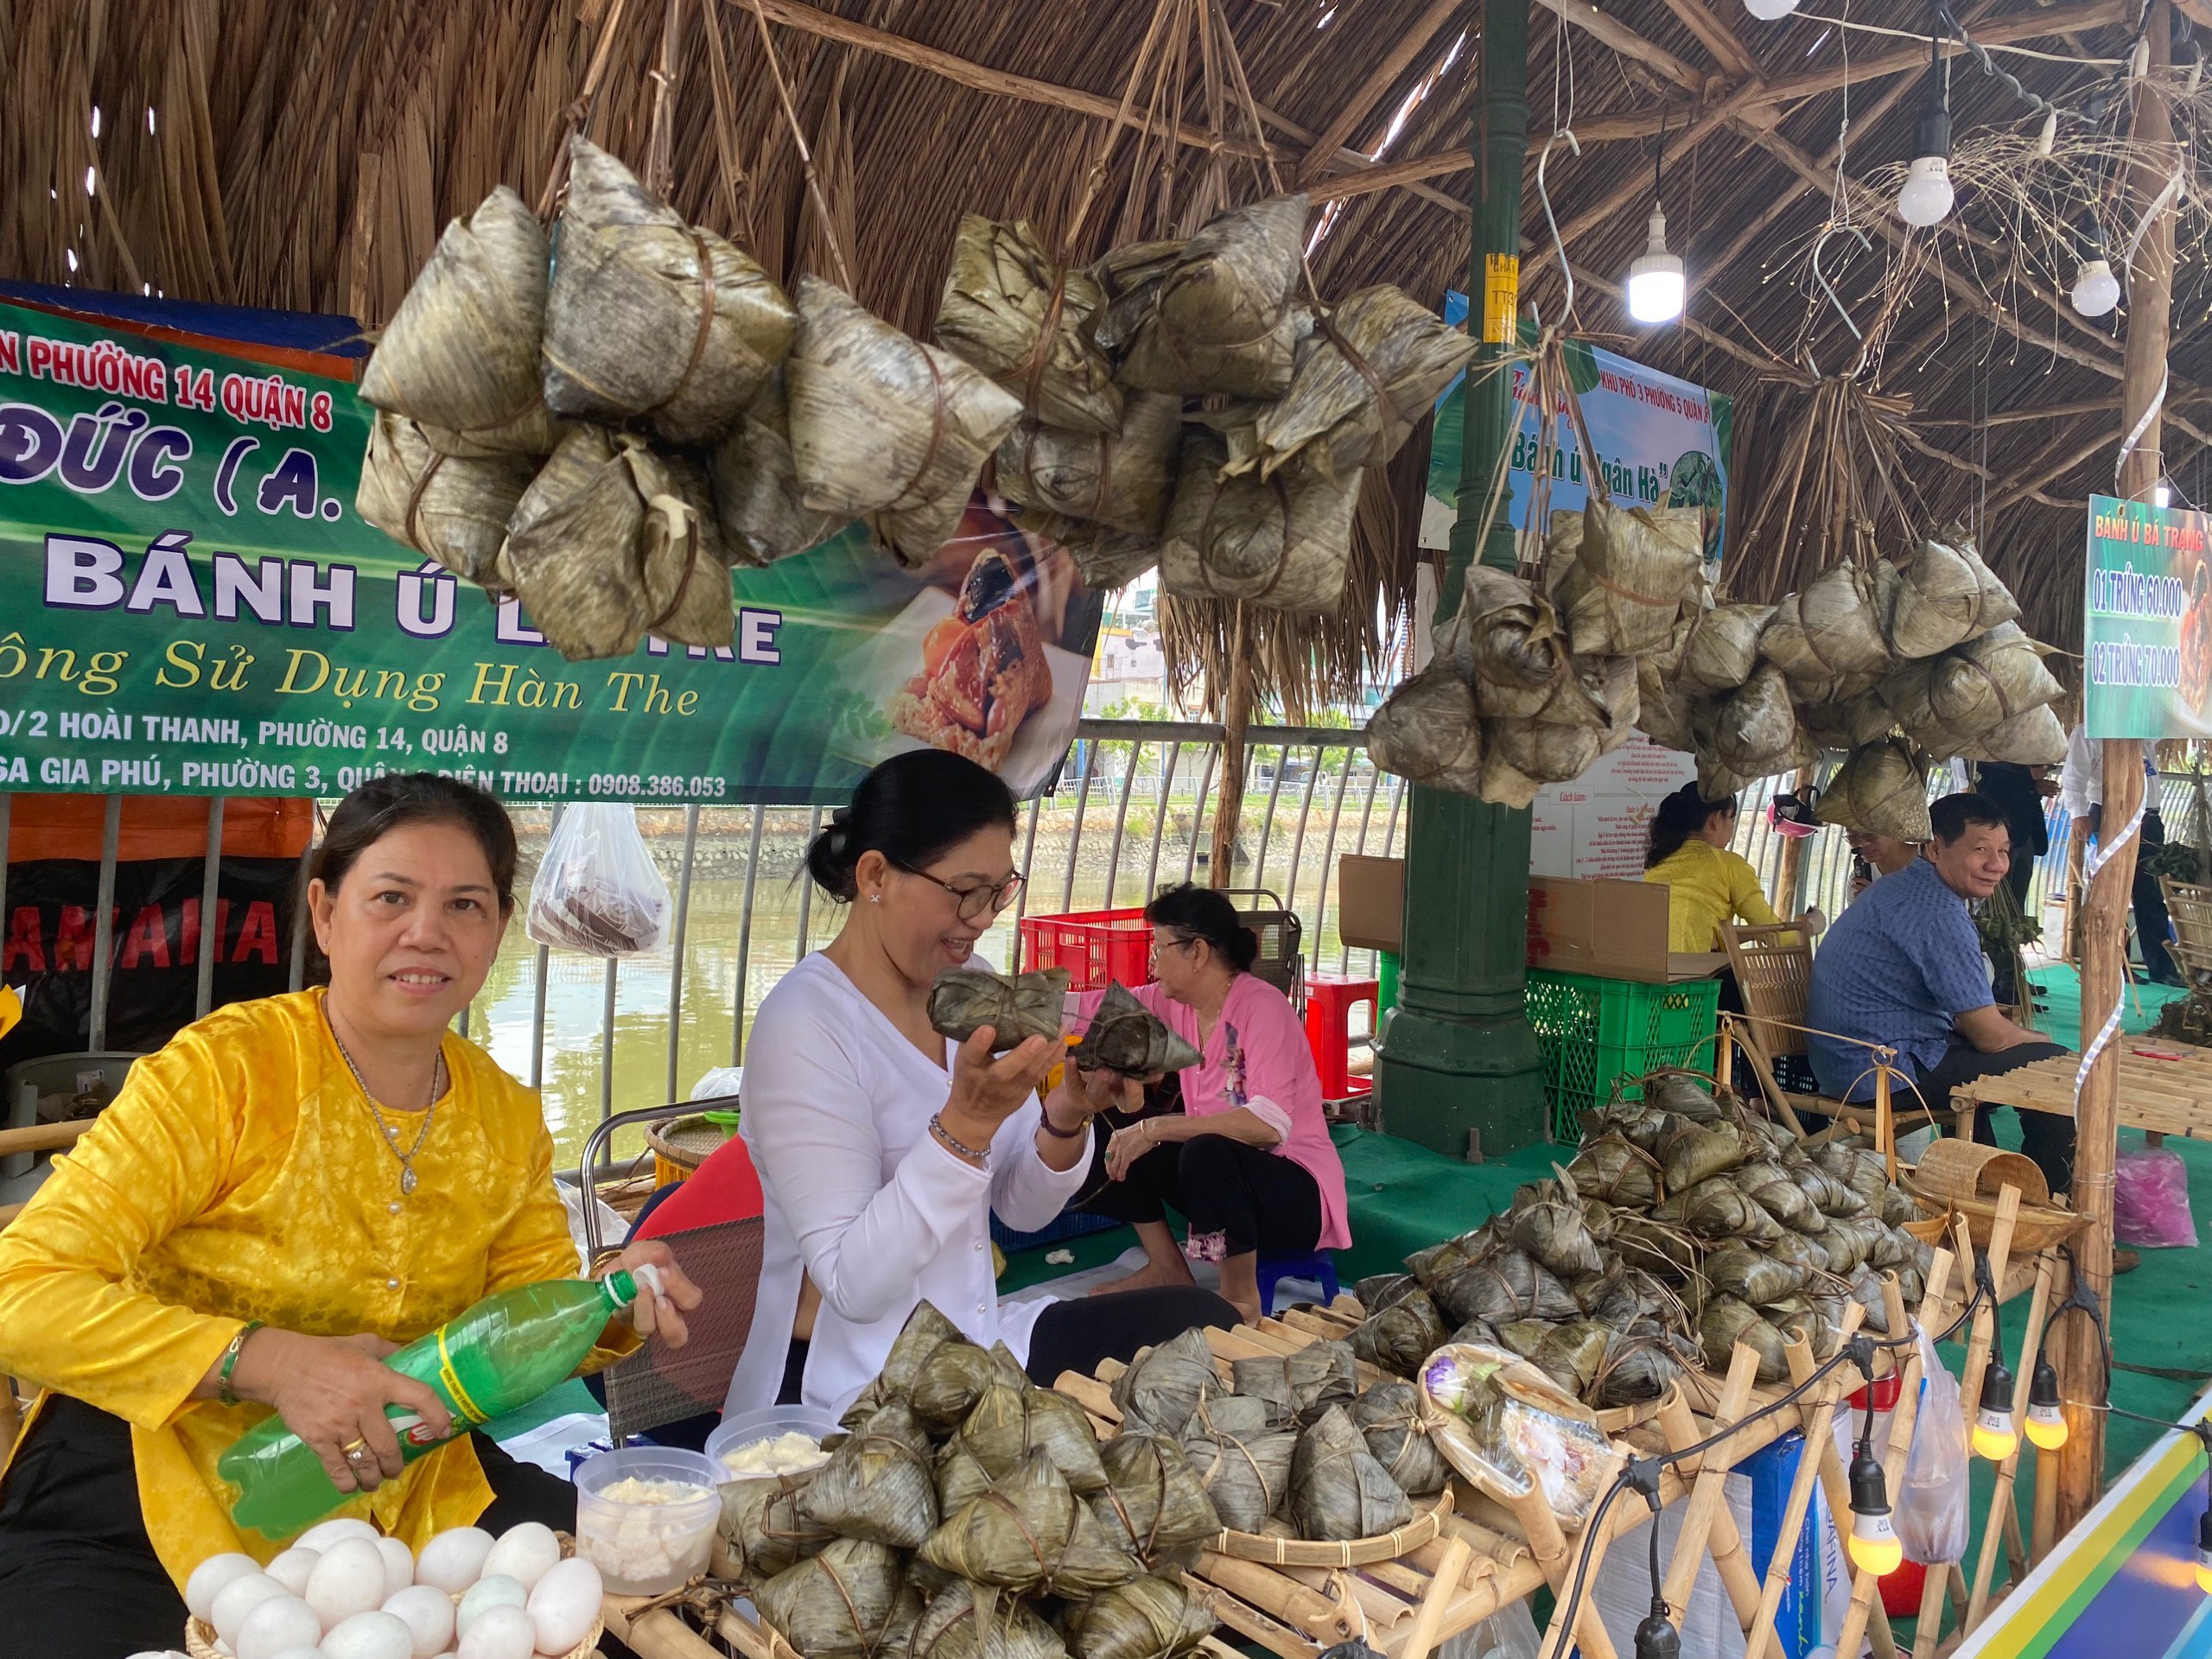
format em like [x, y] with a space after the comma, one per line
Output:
[1320, 1265]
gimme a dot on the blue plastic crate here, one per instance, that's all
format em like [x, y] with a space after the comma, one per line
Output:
[1070, 1223]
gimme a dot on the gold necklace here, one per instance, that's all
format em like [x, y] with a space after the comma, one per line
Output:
[407, 1180]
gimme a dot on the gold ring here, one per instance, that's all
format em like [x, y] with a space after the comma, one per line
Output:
[355, 1451]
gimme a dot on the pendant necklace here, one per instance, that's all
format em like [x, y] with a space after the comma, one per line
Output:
[407, 1181]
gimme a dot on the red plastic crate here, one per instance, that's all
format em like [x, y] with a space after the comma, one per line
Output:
[1095, 946]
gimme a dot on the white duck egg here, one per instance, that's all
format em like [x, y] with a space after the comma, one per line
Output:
[301, 1653]
[322, 1537]
[278, 1624]
[238, 1598]
[492, 1590]
[369, 1635]
[501, 1633]
[347, 1580]
[525, 1553]
[427, 1613]
[453, 1560]
[292, 1568]
[208, 1579]
[398, 1566]
[564, 1605]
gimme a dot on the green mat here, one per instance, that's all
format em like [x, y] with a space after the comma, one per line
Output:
[2060, 1018]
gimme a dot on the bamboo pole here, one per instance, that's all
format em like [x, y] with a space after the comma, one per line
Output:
[1706, 1514]
[1236, 718]
[2000, 1503]
[1818, 1433]
[1589, 1633]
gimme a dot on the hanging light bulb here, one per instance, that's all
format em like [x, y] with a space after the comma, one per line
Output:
[1768, 11]
[1926, 197]
[1656, 280]
[1993, 1434]
[1658, 1638]
[2046, 1420]
[2096, 290]
[1873, 1545]
[2162, 494]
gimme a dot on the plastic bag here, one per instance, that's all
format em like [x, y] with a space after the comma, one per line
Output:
[2150, 1201]
[718, 1083]
[1931, 1516]
[598, 892]
[1509, 1633]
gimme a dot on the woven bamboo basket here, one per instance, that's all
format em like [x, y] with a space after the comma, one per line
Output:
[1952, 1168]
[2038, 1227]
[1355, 1552]
[682, 1144]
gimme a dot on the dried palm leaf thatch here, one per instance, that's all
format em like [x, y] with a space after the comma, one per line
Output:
[1017, 1007]
[883, 425]
[1828, 635]
[1030, 1532]
[762, 1532]
[1614, 1168]
[1428, 731]
[1715, 1210]
[1222, 319]
[1337, 1490]
[1641, 1364]
[1365, 376]
[1722, 648]
[1305, 1381]
[965, 1622]
[1505, 641]
[1150, 1617]
[1121, 478]
[445, 507]
[613, 541]
[1630, 572]
[460, 355]
[1378, 1290]
[959, 1477]
[1728, 1320]
[1105, 558]
[1505, 1285]
[650, 318]
[1751, 1275]
[1163, 1385]
[1010, 314]
[952, 1378]
[1388, 1415]
[2033, 737]
[1847, 724]
[1153, 1504]
[1571, 1354]
[1008, 1423]
[1245, 1470]
[1751, 731]
[1130, 276]
[880, 1483]
[1944, 597]
[1397, 1337]
[1695, 1152]
[1550, 1227]
[849, 1602]
[1284, 542]
[758, 502]
[1945, 702]
[1880, 790]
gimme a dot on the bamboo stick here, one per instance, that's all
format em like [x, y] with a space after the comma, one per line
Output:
[1430, 1620]
[1589, 1630]
[1818, 1433]
[2001, 1504]
[1707, 1510]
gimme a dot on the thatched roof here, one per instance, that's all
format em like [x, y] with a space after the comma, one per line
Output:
[304, 154]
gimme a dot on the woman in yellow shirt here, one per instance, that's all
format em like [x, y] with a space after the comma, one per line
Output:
[288, 1190]
[1708, 881]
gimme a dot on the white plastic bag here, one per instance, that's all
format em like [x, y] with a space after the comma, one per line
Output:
[1930, 1511]
[1509, 1633]
[597, 893]
[718, 1083]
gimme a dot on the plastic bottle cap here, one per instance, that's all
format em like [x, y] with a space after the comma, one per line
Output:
[648, 1275]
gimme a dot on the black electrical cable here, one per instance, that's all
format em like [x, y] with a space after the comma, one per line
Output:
[1952, 26]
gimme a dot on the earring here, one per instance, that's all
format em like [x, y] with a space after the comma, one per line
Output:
[875, 898]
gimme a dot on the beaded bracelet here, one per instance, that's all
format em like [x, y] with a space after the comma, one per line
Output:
[224, 1393]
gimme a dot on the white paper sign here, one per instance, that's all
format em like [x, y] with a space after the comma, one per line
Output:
[1596, 827]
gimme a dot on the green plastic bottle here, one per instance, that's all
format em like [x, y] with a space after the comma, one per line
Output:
[497, 1357]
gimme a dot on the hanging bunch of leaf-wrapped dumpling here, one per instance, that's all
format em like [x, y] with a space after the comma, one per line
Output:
[1284, 544]
[1338, 1491]
[1591, 712]
[1154, 1503]
[851, 1601]
[1001, 297]
[448, 508]
[1389, 1416]
[880, 1484]
[1944, 597]
[1130, 276]
[1506, 642]
[1222, 317]
[1030, 1532]
[1751, 731]
[1880, 790]
[1847, 722]
[1630, 573]
[1105, 558]
[1946, 702]
[1428, 731]
[1121, 478]
[1401, 1334]
[1722, 648]
[1163, 1385]
[1151, 1617]
[757, 500]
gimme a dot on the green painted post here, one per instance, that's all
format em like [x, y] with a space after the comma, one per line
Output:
[1457, 1053]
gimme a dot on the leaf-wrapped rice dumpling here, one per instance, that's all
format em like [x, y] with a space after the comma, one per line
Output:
[1121, 478]
[1944, 597]
[1404, 1332]
[1505, 641]
[1614, 1168]
[1127, 1037]
[1154, 1503]
[1880, 790]
[1827, 637]
[1631, 569]
[1847, 724]
[962, 1623]
[1683, 1093]
[1163, 1385]
[1850, 1240]
[1151, 1617]
[959, 1477]
[1945, 702]
[1750, 1275]
[1378, 1290]
[1000, 297]
[1222, 317]
[1129, 275]
[879, 1484]
[1520, 1338]
[1802, 1251]
[1591, 712]
[849, 1602]
[1030, 1532]
[1696, 1152]
[1428, 731]
[1505, 1285]
[1715, 1209]
[962, 1001]
[925, 1328]
[447, 508]
[1337, 1490]
[648, 317]
[1571, 1354]
[1550, 1227]
[952, 1377]
[1008, 1423]
[1780, 1197]
[1230, 1413]
[1309, 1377]
[2031, 737]
[1641, 1364]
[1662, 1248]
[1390, 1415]
[1245, 1470]
[758, 502]
[1429, 1264]
[1105, 558]
[1751, 728]
[1284, 544]
[762, 1532]
[1723, 648]
[1629, 1295]
[1725, 1322]
[1867, 1291]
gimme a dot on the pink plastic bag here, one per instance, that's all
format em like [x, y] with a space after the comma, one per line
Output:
[2150, 1201]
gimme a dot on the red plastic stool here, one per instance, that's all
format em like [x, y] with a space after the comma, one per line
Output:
[1329, 1002]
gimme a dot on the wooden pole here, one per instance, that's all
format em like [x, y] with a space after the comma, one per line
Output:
[2001, 1507]
[2104, 938]
[1236, 718]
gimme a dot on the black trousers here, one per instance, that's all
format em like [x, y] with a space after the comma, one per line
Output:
[2045, 1136]
[1250, 1198]
[79, 1578]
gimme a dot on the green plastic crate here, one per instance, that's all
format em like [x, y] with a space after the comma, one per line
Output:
[1594, 1032]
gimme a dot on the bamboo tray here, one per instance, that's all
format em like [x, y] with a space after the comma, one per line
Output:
[2039, 1226]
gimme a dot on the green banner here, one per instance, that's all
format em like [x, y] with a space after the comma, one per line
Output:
[190, 605]
[2147, 650]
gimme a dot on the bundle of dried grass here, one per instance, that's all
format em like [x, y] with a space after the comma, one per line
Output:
[613, 541]
[1121, 478]
[1222, 318]
[1428, 731]
[758, 501]
[1945, 597]
[445, 507]
[1880, 790]
[1946, 702]
[1284, 542]
[1828, 638]
[1009, 312]
[459, 356]
[1722, 647]
[884, 425]
[1630, 573]
[649, 318]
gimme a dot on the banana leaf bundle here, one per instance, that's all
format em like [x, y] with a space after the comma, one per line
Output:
[1130, 276]
[1505, 641]
[2030, 737]
[1714, 1209]
[1722, 648]
[1121, 478]
[1389, 1416]
[1506, 1285]
[1882, 789]
[1728, 1320]
[1641, 1364]
[952, 1377]
[1683, 1093]
[1612, 1168]
[884, 425]
[1773, 1190]
[1400, 1335]
[757, 500]
[1659, 1246]
[445, 507]
[880, 1484]
[1378, 1290]
[1029, 1532]
[1337, 1490]
[1016, 1007]
[1150, 1617]
[959, 1477]
[1429, 1264]
[1245, 1470]
[1829, 1196]
[1285, 543]
[650, 318]
[1552, 1228]
[1847, 724]
[1364, 378]
[1803, 1252]
[1163, 1385]
[460, 355]
[1009, 1423]
[762, 1532]
[1630, 572]
[1428, 731]
[1750, 1275]
[1944, 597]
[1307, 1379]
[1127, 1037]
[1827, 637]
[1222, 317]
[1696, 1152]
[613, 540]
[849, 1602]
[1571, 1354]
[964, 1621]
[1153, 1504]
[1945, 702]
[1007, 311]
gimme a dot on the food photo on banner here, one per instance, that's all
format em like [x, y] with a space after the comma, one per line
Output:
[2147, 670]
[191, 603]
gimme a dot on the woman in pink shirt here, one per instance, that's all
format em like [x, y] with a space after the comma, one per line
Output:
[1249, 1161]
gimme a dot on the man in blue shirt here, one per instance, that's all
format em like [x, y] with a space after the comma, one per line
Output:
[1903, 966]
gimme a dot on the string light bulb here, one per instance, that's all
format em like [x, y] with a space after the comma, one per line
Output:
[1769, 11]
[1994, 1437]
[1926, 197]
[2096, 290]
[2046, 1424]
[1657, 281]
[1873, 1545]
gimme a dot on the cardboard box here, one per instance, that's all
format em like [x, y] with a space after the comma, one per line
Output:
[1615, 930]
[1371, 902]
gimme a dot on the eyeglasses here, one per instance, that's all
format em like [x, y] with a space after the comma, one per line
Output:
[974, 901]
[1176, 944]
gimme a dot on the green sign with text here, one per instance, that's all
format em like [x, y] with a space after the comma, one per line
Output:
[2147, 649]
